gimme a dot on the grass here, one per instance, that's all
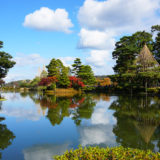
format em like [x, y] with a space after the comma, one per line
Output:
[61, 92]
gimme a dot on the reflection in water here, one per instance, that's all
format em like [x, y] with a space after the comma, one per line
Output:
[98, 120]
[138, 120]
[45, 152]
[97, 135]
[77, 107]
[6, 136]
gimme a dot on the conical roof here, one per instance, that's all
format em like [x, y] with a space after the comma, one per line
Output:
[146, 59]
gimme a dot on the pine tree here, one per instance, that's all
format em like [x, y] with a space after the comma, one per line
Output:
[63, 80]
[76, 66]
[86, 75]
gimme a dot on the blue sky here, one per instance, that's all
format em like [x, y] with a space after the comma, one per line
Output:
[35, 31]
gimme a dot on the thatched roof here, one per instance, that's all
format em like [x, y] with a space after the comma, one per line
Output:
[146, 59]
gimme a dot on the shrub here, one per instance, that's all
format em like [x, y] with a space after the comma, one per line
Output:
[116, 153]
[76, 83]
[47, 81]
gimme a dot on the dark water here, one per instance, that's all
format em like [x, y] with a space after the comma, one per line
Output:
[36, 127]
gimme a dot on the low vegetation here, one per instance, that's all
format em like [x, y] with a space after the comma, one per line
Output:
[116, 153]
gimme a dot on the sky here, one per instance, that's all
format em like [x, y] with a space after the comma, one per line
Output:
[35, 31]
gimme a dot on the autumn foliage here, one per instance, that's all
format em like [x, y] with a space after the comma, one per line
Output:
[47, 81]
[76, 82]
[104, 82]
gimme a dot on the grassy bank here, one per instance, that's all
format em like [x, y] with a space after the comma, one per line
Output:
[115, 153]
[61, 92]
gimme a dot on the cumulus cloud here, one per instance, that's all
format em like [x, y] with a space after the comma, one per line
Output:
[67, 61]
[105, 21]
[101, 62]
[95, 39]
[118, 14]
[30, 60]
[49, 20]
[98, 58]
[28, 64]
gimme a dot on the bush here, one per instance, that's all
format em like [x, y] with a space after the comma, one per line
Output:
[116, 153]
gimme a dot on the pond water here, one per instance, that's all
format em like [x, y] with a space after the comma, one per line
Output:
[36, 127]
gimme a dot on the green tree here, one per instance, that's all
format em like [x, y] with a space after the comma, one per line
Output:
[76, 66]
[64, 79]
[34, 83]
[156, 47]
[6, 62]
[86, 75]
[54, 68]
[57, 69]
[127, 48]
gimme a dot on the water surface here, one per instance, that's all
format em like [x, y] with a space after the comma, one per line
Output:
[36, 127]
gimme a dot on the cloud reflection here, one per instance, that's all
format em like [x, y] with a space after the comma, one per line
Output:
[45, 152]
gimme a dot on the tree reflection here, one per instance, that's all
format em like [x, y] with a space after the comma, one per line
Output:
[78, 107]
[137, 121]
[6, 137]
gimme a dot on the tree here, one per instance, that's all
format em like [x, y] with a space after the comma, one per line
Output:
[54, 68]
[76, 83]
[5, 62]
[128, 48]
[64, 79]
[156, 47]
[76, 66]
[86, 75]
[58, 70]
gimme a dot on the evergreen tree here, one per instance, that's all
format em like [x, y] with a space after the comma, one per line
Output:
[128, 48]
[64, 79]
[76, 66]
[86, 75]
[156, 47]
[5, 62]
[54, 68]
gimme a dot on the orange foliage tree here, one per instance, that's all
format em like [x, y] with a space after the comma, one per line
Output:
[104, 82]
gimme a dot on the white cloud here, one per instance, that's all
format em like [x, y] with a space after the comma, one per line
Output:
[30, 60]
[96, 39]
[98, 58]
[49, 20]
[101, 62]
[118, 14]
[105, 21]
[28, 64]
[67, 61]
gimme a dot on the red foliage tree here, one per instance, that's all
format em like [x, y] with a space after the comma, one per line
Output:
[47, 81]
[76, 82]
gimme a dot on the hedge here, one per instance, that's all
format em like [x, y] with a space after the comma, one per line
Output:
[115, 153]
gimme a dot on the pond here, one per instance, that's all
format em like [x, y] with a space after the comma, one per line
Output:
[36, 127]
